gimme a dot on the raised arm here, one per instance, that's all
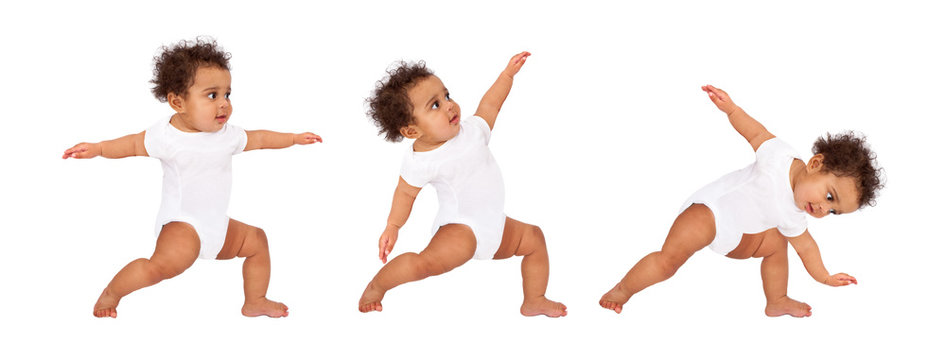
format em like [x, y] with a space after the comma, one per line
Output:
[125, 146]
[808, 251]
[749, 128]
[265, 139]
[404, 196]
[493, 99]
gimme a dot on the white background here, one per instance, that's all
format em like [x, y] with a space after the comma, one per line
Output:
[604, 135]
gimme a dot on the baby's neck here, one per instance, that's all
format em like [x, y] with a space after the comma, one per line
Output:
[421, 145]
[796, 172]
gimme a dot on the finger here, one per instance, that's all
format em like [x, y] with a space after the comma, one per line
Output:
[381, 245]
[317, 138]
[523, 55]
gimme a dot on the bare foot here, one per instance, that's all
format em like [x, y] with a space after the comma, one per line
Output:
[543, 306]
[614, 299]
[370, 299]
[265, 306]
[105, 305]
[787, 306]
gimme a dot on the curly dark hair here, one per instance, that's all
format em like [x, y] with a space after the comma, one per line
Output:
[176, 67]
[847, 154]
[390, 108]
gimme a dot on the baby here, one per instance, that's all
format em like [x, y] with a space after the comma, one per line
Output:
[452, 154]
[195, 146]
[757, 211]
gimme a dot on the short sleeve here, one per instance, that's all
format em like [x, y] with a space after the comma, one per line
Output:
[773, 150]
[415, 173]
[154, 142]
[795, 228]
[479, 126]
[238, 137]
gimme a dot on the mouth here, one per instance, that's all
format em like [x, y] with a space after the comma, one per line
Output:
[455, 120]
[221, 119]
[809, 209]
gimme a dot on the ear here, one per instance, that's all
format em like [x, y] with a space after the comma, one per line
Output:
[816, 163]
[410, 131]
[176, 101]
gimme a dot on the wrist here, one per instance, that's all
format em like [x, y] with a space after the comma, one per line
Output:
[96, 149]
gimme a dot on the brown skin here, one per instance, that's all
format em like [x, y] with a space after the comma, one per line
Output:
[694, 229]
[205, 107]
[434, 122]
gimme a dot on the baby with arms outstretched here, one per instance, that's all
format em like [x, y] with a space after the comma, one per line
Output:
[195, 146]
[759, 210]
[452, 154]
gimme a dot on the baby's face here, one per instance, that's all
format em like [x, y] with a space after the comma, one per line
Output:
[206, 108]
[436, 116]
[821, 193]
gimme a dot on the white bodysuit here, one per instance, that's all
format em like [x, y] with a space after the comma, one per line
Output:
[197, 179]
[468, 182]
[754, 199]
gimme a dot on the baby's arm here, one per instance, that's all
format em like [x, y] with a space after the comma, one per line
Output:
[404, 196]
[265, 139]
[125, 146]
[808, 251]
[496, 95]
[748, 127]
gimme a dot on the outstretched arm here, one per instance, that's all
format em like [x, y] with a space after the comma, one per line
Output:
[808, 251]
[748, 127]
[265, 139]
[496, 95]
[125, 146]
[404, 196]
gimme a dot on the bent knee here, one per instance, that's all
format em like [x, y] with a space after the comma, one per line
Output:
[668, 264]
[427, 267]
[260, 237]
[162, 270]
[533, 239]
[255, 243]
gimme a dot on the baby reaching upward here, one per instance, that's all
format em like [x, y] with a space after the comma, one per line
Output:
[452, 154]
[759, 210]
[195, 146]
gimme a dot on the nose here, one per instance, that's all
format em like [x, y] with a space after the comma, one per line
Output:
[822, 210]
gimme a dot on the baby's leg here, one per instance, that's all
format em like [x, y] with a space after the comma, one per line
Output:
[774, 250]
[451, 246]
[250, 243]
[693, 230]
[528, 241]
[176, 250]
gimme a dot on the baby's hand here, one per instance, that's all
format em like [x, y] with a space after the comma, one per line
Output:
[840, 279]
[516, 63]
[83, 151]
[306, 138]
[386, 243]
[721, 99]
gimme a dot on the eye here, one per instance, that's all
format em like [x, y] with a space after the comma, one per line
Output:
[447, 96]
[830, 198]
[833, 212]
[212, 96]
[228, 96]
[436, 105]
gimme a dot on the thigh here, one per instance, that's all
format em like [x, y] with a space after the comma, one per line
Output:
[177, 246]
[518, 238]
[242, 240]
[451, 246]
[772, 242]
[693, 230]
